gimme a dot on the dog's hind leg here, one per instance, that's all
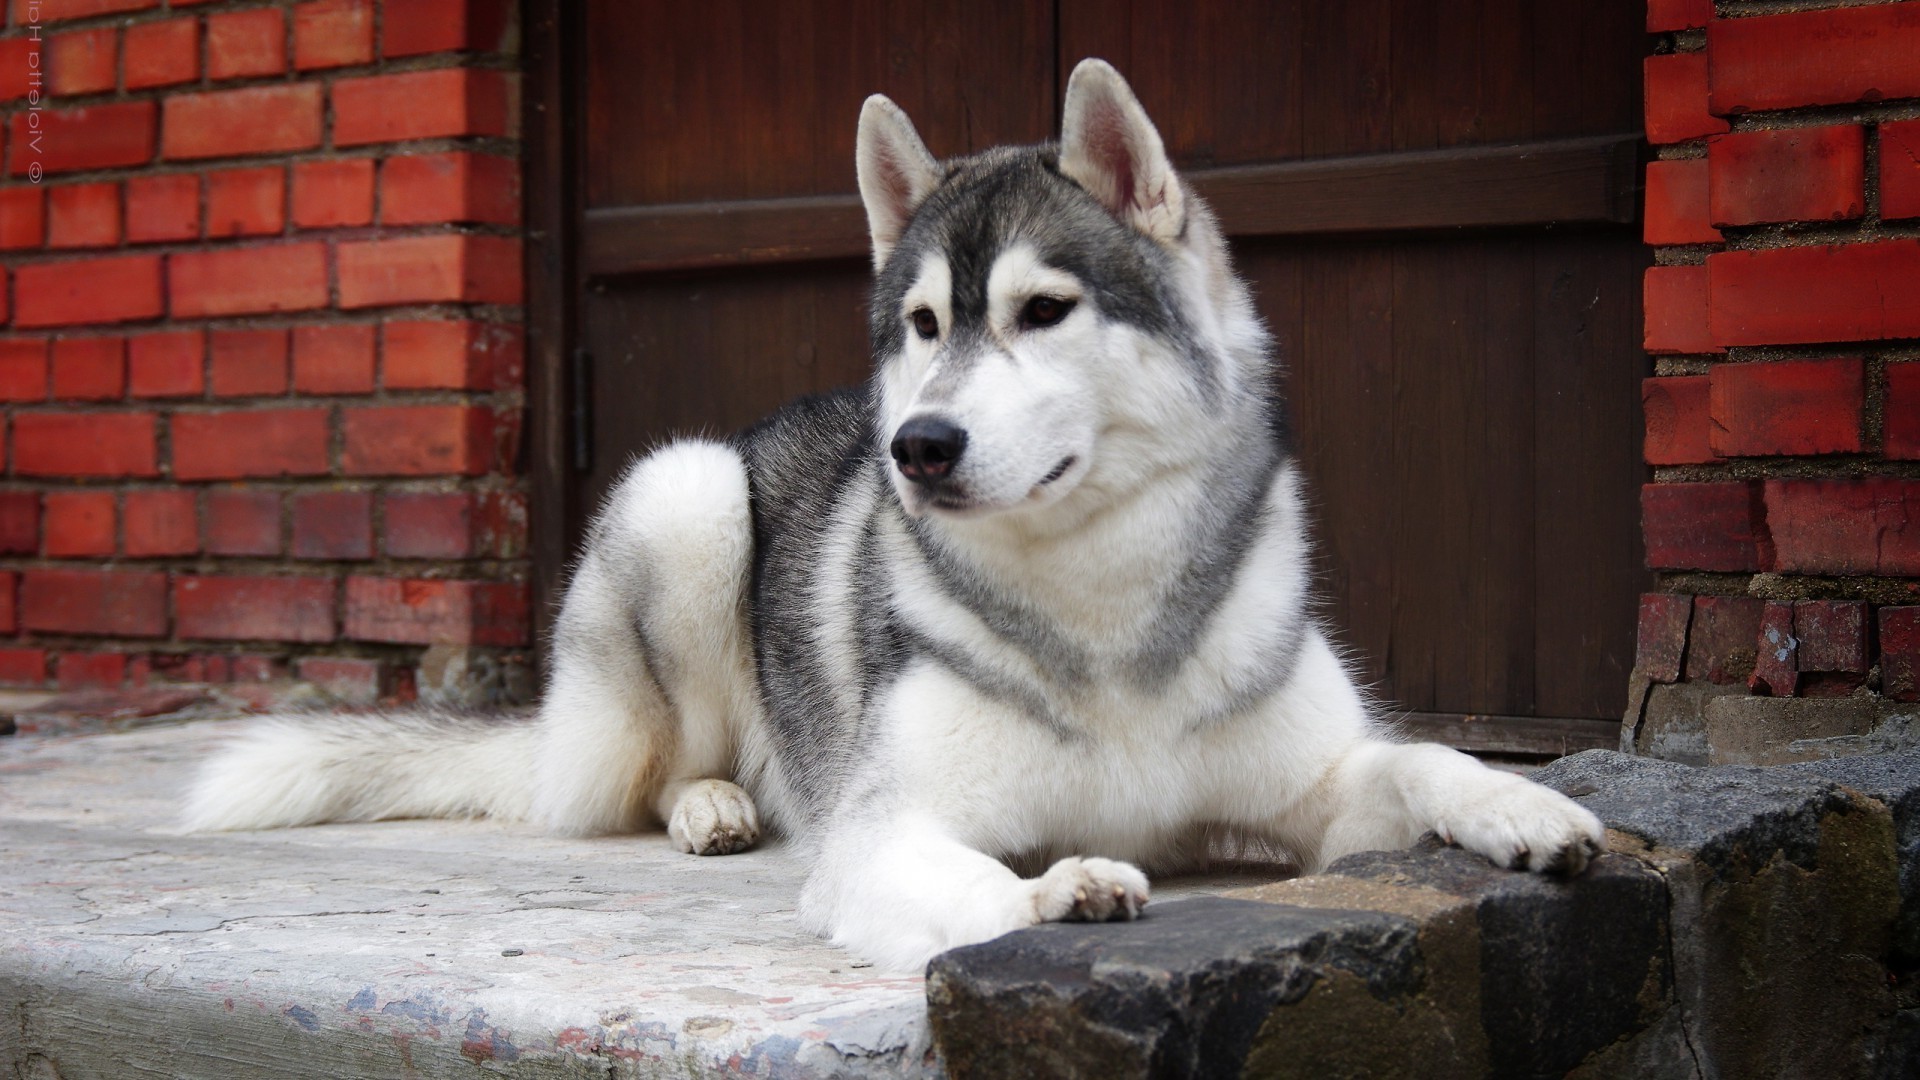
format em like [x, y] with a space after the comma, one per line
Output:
[652, 663]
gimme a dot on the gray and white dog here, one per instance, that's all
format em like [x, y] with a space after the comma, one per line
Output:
[1040, 596]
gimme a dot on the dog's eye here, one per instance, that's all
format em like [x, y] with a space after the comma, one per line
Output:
[926, 324]
[1044, 311]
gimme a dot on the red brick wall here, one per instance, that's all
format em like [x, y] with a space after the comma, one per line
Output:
[260, 340]
[1783, 422]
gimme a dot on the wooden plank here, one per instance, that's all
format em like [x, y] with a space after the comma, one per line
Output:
[1531, 736]
[1589, 180]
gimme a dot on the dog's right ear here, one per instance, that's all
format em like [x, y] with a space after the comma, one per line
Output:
[896, 172]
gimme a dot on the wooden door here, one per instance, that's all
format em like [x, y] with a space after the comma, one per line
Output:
[1435, 204]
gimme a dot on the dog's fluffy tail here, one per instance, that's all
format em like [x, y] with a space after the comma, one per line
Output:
[283, 772]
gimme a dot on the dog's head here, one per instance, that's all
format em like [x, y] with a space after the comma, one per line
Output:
[1043, 316]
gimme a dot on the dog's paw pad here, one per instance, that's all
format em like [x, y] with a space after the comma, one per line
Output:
[1089, 890]
[713, 817]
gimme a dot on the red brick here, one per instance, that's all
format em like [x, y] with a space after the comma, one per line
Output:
[82, 61]
[256, 120]
[1900, 170]
[430, 269]
[1662, 636]
[84, 444]
[335, 358]
[20, 75]
[333, 525]
[354, 682]
[23, 667]
[79, 524]
[1788, 407]
[1720, 644]
[428, 189]
[1676, 97]
[116, 289]
[163, 208]
[248, 363]
[158, 523]
[1666, 15]
[500, 525]
[1790, 174]
[90, 369]
[327, 194]
[241, 43]
[417, 440]
[1707, 526]
[246, 202]
[90, 137]
[415, 612]
[23, 217]
[1674, 299]
[58, 10]
[420, 105]
[23, 369]
[19, 523]
[332, 33]
[1869, 525]
[243, 281]
[1677, 420]
[252, 668]
[1776, 668]
[429, 525]
[116, 603]
[1815, 58]
[1796, 295]
[1900, 653]
[249, 443]
[243, 522]
[76, 670]
[162, 53]
[443, 354]
[9, 613]
[255, 608]
[83, 215]
[167, 364]
[1901, 412]
[414, 27]
[1833, 635]
[1676, 210]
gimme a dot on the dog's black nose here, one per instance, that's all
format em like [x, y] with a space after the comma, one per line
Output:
[926, 448]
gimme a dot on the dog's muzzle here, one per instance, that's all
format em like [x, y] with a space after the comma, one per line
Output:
[926, 449]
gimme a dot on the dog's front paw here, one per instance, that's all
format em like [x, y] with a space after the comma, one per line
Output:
[713, 817]
[1523, 826]
[1089, 890]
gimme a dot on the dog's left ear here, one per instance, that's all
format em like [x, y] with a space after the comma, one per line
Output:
[1109, 147]
[895, 171]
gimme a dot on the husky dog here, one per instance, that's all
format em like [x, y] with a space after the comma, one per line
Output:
[1039, 596]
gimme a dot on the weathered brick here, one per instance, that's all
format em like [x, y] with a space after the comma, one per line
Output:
[163, 208]
[333, 525]
[1676, 204]
[82, 61]
[248, 363]
[169, 363]
[9, 591]
[242, 522]
[106, 602]
[427, 189]
[1720, 644]
[329, 194]
[232, 608]
[105, 290]
[23, 369]
[1869, 525]
[450, 354]
[1787, 174]
[352, 681]
[255, 120]
[89, 369]
[79, 524]
[1674, 299]
[160, 523]
[246, 202]
[1797, 295]
[332, 33]
[334, 358]
[420, 105]
[1900, 653]
[1705, 526]
[1676, 99]
[417, 440]
[58, 10]
[1827, 57]
[240, 43]
[1667, 15]
[1776, 669]
[83, 215]
[415, 27]
[23, 217]
[23, 667]
[1788, 407]
[421, 612]
[242, 281]
[1900, 170]
[446, 268]
[91, 137]
[82, 670]
[1676, 410]
[19, 522]
[249, 443]
[84, 444]
[162, 53]
[1833, 635]
[430, 525]
[1661, 642]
